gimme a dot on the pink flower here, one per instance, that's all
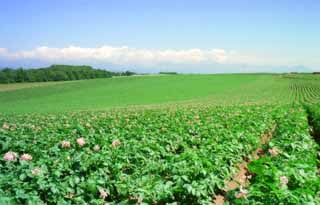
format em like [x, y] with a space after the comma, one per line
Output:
[103, 193]
[36, 171]
[26, 157]
[96, 148]
[81, 141]
[242, 193]
[274, 151]
[65, 144]
[283, 181]
[5, 126]
[10, 156]
[116, 143]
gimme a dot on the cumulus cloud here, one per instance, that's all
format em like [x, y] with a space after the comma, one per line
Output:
[152, 60]
[125, 56]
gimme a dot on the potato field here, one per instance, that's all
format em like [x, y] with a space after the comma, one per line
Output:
[187, 139]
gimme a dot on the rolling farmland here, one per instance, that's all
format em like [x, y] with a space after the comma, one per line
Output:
[157, 91]
[163, 139]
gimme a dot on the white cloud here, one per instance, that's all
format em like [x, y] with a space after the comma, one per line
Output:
[125, 56]
[3, 52]
[184, 60]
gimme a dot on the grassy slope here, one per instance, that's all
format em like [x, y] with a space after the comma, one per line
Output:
[143, 90]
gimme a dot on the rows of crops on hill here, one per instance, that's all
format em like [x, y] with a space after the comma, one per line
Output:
[157, 156]
[270, 89]
[158, 91]
[303, 91]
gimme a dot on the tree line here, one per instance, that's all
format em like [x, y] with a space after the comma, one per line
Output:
[169, 73]
[56, 73]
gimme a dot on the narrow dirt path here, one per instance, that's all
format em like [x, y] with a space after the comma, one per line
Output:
[314, 132]
[242, 177]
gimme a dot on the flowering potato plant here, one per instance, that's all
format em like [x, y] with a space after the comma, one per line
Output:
[132, 156]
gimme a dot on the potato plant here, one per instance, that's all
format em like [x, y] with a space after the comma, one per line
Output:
[168, 156]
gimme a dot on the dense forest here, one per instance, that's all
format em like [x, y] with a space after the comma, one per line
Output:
[56, 73]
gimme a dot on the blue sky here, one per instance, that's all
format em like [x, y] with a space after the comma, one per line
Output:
[202, 35]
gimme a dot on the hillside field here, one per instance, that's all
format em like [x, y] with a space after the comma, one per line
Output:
[162, 139]
[154, 90]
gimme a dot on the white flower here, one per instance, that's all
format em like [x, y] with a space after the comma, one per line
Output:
[81, 141]
[103, 193]
[116, 143]
[65, 144]
[283, 181]
[5, 126]
[96, 148]
[36, 171]
[242, 193]
[26, 157]
[274, 151]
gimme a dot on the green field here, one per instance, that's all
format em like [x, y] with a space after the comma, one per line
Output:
[162, 139]
[152, 91]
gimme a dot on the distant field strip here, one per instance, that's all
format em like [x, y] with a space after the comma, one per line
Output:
[159, 90]
[128, 91]
[17, 86]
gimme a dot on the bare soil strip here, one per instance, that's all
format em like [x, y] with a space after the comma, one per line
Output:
[314, 133]
[241, 178]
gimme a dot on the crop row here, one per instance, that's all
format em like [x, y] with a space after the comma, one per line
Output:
[150, 156]
[304, 91]
[287, 173]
